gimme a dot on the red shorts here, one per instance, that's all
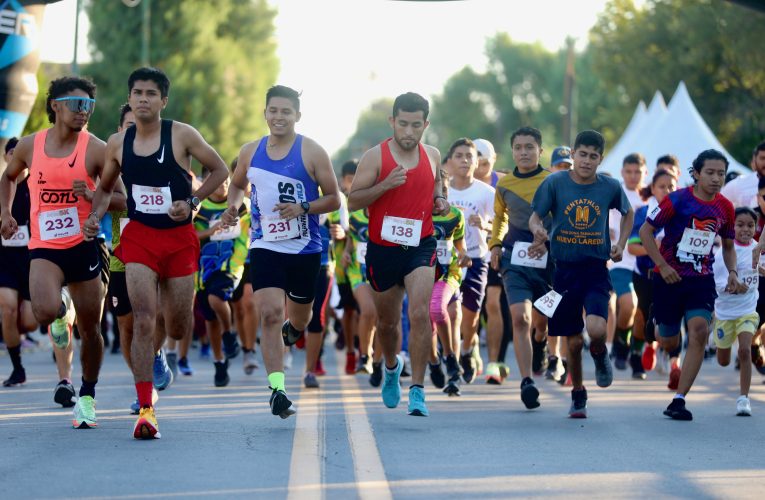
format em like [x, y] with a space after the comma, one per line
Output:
[171, 253]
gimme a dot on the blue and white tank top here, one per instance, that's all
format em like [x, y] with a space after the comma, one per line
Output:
[282, 181]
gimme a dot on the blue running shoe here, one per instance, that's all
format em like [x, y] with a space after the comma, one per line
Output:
[391, 389]
[417, 406]
[204, 352]
[185, 367]
[163, 377]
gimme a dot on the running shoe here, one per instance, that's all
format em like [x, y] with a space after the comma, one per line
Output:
[281, 405]
[452, 388]
[677, 411]
[437, 375]
[555, 368]
[620, 352]
[172, 362]
[64, 393]
[231, 347]
[493, 376]
[17, 377]
[391, 389]
[565, 378]
[417, 406]
[289, 334]
[310, 381]
[529, 394]
[636, 363]
[538, 356]
[375, 379]
[163, 377]
[578, 403]
[287, 358]
[204, 352]
[61, 328]
[221, 378]
[604, 375]
[467, 361]
[85, 413]
[743, 407]
[146, 425]
[674, 378]
[249, 363]
[504, 370]
[452, 368]
[649, 357]
[185, 367]
[364, 364]
[407, 370]
[350, 363]
[135, 408]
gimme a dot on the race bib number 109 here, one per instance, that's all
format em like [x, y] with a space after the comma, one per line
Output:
[696, 242]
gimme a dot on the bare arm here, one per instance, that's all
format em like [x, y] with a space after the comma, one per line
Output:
[109, 179]
[238, 185]
[198, 148]
[325, 177]
[21, 155]
[365, 188]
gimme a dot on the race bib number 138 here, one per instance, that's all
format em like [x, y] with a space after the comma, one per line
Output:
[401, 231]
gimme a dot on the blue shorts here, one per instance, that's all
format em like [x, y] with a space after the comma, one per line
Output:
[585, 285]
[621, 279]
[691, 297]
[473, 287]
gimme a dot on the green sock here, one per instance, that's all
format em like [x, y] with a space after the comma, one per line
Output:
[637, 346]
[276, 380]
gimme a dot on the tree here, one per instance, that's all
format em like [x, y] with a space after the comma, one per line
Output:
[220, 57]
[371, 129]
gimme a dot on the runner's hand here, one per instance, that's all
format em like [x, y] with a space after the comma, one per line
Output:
[616, 253]
[440, 206]
[9, 226]
[496, 256]
[669, 275]
[179, 211]
[289, 210]
[80, 189]
[734, 285]
[337, 232]
[396, 178]
[230, 217]
[91, 227]
[464, 261]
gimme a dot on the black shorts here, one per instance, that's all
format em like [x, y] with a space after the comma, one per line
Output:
[14, 270]
[494, 278]
[644, 291]
[103, 253]
[584, 285]
[220, 284]
[388, 266]
[239, 291]
[82, 262]
[323, 291]
[347, 300]
[293, 273]
[672, 304]
[119, 294]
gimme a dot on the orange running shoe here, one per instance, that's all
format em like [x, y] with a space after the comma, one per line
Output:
[146, 426]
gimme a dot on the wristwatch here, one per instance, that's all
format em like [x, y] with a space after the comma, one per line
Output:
[193, 202]
[305, 206]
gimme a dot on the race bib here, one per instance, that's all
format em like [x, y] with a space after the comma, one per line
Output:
[226, 233]
[444, 251]
[751, 278]
[123, 222]
[548, 303]
[277, 229]
[521, 257]
[56, 224]
[696, 241]
[20, 239]
[401, 231]
[361, 252]
[152, 200]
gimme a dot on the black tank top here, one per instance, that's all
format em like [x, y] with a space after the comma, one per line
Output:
[21, 205]
[149, 180]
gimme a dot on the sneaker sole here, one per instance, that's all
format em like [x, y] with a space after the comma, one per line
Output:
[222, 383]
[578, 414]
[146, 431]
[744, 414]
[418, 413]
[291, 410]
[13, 384]
[494, 380]
[530, 396]
[678, 416]
[452, 390]
[63, 397]
[83, 425]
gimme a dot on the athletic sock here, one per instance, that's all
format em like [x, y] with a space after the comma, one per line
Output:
[416, 385]
[246, 350]
[636, 346]
[88, 388]
[679, 396]
[276, 380]
[623, 335]
[143, 390]
[15, 353]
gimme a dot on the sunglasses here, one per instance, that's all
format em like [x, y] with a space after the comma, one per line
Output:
[78, 104]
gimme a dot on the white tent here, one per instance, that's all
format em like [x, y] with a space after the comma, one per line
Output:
[642, 121]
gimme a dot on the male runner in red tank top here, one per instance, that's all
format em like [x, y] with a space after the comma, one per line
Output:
[399, 181]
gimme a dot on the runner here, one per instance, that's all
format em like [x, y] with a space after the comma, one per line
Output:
[742, 191]
[57, 159]
[286, 171]
[683, 280]
[579, 201]
[349, 321]
[158, 246]
[670, 163]
[399, 180]
[560, 160]
[526, 280]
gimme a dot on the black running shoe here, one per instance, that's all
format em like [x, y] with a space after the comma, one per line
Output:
[289, 334]
[452, 388]
[604, 375]
[231, 347]
[221, 374]
[578, 403]
[18, 377]
[529, 393]
[64, 394]
[281, 405]
[636, 363]
[677, 411]
[375, 379]
[437, 375]
[619, 353]
[538, 356]
[468, 367]
[452, 368]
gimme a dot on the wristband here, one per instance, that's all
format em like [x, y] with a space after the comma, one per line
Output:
[732, 271]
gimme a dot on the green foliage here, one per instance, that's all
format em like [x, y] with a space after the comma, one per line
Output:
[220, 57]
[38, 117]
[371, 129]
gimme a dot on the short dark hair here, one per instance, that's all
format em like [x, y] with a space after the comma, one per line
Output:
[124, 110]
[150, 74]
[349, 167]
[533, 132]
[668, 159]
[11, 144]
[411, 103]
[708, 154]
[748, 211]
[760, 147]
[590, 138]
[64, 85]
[286, 92]
[634, 158]
[462, 141]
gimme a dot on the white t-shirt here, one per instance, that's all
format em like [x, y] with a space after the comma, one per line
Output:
[742, 191]
[477, 199]
[614, 219]
[729, 305]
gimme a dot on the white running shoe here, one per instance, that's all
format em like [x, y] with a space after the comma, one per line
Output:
[743, 407]
[249, 364]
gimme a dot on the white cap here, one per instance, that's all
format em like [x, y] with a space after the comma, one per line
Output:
[485, 148]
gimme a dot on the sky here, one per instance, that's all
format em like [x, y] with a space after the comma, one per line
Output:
[344, 54]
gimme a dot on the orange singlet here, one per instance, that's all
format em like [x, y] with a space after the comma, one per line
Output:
[56, 215]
